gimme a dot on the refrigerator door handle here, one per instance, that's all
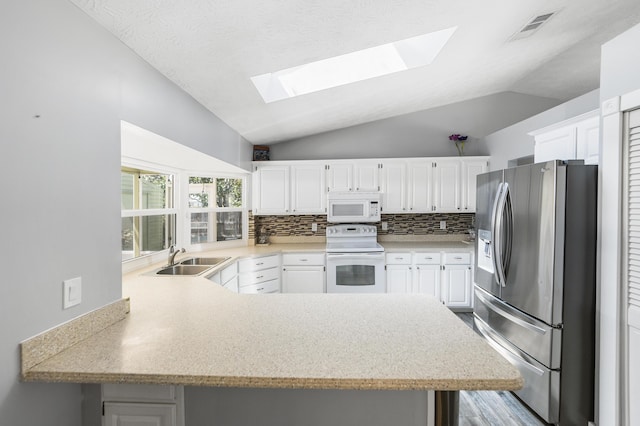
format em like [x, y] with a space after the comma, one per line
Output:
[498, 223]
[494, 233]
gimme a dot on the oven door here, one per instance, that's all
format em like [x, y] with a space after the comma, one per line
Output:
[356, 273]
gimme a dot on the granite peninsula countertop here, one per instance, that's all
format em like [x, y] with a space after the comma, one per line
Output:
[191, 331]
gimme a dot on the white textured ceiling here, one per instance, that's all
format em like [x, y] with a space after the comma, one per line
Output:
[211, 48]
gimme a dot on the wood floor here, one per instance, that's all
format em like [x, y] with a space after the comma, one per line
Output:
[488, 408]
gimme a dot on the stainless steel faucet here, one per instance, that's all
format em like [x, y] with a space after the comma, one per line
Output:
[172, 254]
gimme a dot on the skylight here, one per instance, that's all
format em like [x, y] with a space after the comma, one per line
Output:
[352, 67]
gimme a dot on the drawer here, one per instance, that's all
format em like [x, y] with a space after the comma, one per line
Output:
[398, 258]
[249, 278]
[301, 259]
[258, 263]
[457, 259]
[228, 273]
[427, 258]
[272, 286]
[138, 393]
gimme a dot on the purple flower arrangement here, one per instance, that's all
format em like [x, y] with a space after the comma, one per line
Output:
[459, 141]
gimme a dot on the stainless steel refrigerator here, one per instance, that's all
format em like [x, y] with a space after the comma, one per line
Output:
[535, 281]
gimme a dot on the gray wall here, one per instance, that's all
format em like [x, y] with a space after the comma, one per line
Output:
[419, 134]
[620, 69]
[60, 213]
[514, 141]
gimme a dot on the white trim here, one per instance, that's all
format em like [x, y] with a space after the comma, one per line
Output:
[567, 122]
[630, 100]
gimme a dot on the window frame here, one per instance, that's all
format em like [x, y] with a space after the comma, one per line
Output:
[214, 209]
[155, 257]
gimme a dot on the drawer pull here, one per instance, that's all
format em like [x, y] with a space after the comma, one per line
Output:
[259, 263]
[458, 258]
[429, 258]
[304, 260]
[260, 289]
[259, 276]
[399, 258]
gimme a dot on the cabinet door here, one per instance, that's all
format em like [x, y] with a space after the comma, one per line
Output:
[367, 176]
[456, 291]
[470, 170]
[271, 194]
[559, 144]
[398, 279]
[588, 140]
[394, 187]
[140, 414]
[428, 280]
[446, 186]
[303, 279]
[308, 189]
[420, 187]
[339, 177]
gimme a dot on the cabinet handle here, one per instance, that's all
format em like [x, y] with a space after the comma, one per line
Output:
[259, 276]
[260, 289]
[458, 258]
[259, 263]
[304, 260]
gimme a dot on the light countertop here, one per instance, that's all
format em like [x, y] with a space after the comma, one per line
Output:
[191, 331]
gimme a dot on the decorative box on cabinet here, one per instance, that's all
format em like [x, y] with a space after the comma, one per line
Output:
[303, 273]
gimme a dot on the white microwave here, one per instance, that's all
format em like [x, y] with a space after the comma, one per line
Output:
[353, 207]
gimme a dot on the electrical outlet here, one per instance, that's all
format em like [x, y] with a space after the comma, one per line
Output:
[443, 224]
[385, 226]
[314, 227]
[71, 292]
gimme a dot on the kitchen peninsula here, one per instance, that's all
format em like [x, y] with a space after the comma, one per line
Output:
[189, 331]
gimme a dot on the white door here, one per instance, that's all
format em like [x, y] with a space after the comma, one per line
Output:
[631, 285]
[447, 185]
[271, 190]
[456, 286]
[420, 187]
[340, 177]
[470, 170]
[428, 280]
[139, 414]
[303, 279]
[367, 176]
[559, 144]
[308, 194]
[398, 279]
[394, 187]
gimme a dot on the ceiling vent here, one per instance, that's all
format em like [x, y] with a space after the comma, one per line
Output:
[533, 26]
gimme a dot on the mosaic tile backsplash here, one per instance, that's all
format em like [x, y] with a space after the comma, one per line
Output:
[398, 224]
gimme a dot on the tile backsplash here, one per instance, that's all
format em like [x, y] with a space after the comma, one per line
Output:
[397, 224]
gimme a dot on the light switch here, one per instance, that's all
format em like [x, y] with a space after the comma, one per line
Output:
[71, 292]
[385, 226]
[443, 224]
[314, 227]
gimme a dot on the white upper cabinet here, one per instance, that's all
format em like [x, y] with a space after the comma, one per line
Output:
[357, 175]
[394, 187]
[271, 190]
[339, 177]
[575, 139]
[470, 170]
[447, 186]
[308, 194]
[408, 185]
[367, 176]
[420, 187]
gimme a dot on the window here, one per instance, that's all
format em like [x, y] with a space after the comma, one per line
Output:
[216, 209]
[148, 213]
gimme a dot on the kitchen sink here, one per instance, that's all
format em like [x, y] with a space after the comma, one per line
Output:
[209, 261]
[183, 270]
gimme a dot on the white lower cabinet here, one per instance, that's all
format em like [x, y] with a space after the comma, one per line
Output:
[142, 405]
[259, 275]
[303, 273]
[227, 277]
[445, 276]
[456, 280]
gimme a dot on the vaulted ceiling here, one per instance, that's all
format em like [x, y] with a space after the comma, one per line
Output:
[211, 48]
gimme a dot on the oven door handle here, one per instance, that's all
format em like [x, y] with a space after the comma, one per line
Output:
[358, 256]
